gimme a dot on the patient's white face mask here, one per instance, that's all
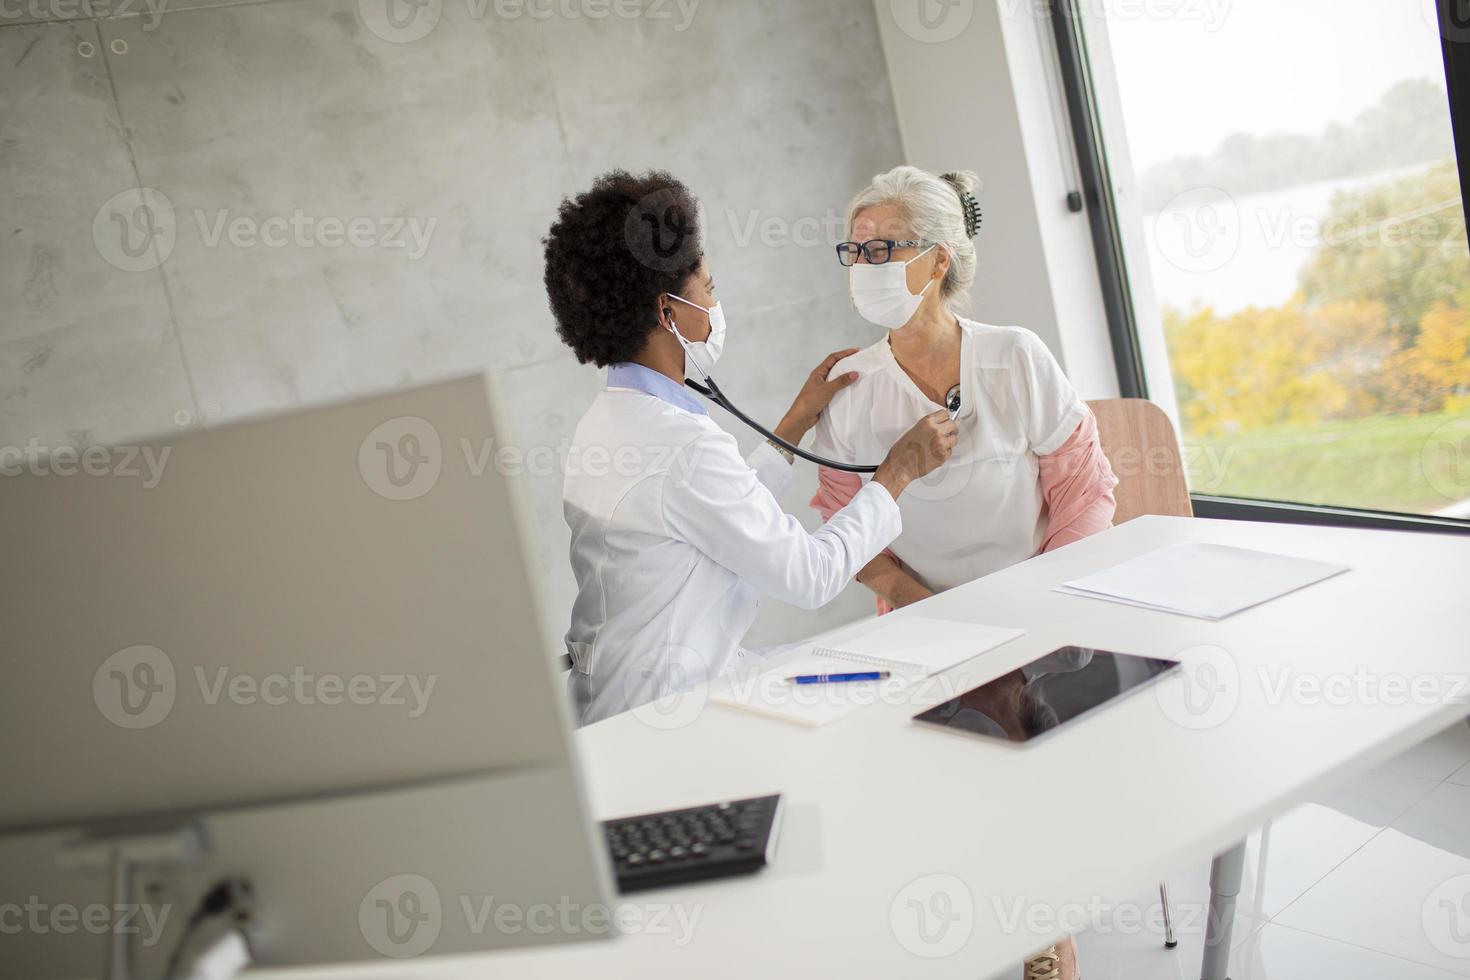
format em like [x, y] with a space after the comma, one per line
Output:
[881, 292]
[700, 355]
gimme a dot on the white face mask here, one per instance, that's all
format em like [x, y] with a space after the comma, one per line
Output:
[700, 355]
[881, 292]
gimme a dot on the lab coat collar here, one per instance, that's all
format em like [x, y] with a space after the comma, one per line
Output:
[626, 374]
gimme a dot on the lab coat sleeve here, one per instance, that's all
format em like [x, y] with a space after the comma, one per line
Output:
[713, 500]
[771, 468]
[835, 490]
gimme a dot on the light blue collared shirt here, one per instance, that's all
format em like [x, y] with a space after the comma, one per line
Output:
[626, 374]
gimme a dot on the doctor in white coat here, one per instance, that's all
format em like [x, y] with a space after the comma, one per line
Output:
[674, 534]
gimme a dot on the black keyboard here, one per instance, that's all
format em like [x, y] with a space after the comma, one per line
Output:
[710, 841]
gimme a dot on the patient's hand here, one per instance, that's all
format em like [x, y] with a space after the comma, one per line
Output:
[814, 396]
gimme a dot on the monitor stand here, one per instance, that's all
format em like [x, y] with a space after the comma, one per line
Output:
[121, 854]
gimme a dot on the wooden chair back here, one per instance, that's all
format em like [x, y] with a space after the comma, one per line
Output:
[1139, 440]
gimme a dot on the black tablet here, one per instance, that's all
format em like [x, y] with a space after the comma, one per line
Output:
[1046, 695]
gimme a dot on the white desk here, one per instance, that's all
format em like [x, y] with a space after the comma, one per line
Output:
[1139, 787]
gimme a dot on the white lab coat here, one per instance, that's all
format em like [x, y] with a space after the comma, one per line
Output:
[673, 537]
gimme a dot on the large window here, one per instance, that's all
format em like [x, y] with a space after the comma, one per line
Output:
[1291, 229]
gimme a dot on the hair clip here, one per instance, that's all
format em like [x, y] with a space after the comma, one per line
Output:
[968, 204]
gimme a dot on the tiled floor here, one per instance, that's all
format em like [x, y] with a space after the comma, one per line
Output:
[1369, 883]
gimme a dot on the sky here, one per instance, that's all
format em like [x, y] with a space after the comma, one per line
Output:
[1191, 72]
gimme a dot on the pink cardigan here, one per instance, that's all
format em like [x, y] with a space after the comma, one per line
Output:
[1076, 482]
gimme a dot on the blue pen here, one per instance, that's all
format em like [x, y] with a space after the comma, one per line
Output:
[867, 675]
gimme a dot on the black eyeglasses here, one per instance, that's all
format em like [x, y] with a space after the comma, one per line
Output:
[875, 250]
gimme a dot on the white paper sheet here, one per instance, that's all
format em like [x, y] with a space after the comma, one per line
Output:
[1207, 581]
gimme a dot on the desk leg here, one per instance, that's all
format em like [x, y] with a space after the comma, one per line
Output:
[1225, 875]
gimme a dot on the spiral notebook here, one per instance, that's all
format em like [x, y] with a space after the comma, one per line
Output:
[910, 648]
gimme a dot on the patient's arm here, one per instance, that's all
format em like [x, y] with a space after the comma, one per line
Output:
[892, 583]
[1077, 484]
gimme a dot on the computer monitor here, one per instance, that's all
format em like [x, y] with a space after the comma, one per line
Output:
[308, 649]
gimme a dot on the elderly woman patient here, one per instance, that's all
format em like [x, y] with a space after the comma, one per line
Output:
[1027, 474]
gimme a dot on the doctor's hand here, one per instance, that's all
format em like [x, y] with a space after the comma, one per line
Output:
[814, 396]
[918, 452]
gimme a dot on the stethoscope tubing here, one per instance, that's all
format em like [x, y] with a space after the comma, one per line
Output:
[714, 394]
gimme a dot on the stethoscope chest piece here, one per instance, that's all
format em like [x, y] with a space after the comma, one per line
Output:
[952, 402]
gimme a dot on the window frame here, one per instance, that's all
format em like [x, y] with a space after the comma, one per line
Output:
[1096, 179]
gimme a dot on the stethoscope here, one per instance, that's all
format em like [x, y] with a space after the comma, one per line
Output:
[712, 391]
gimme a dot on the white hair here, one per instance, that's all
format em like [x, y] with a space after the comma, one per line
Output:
[931, 209]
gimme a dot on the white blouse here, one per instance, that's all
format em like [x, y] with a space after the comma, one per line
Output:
[983, 509]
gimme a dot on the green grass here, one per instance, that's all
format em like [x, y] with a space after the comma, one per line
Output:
[1415, 464]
